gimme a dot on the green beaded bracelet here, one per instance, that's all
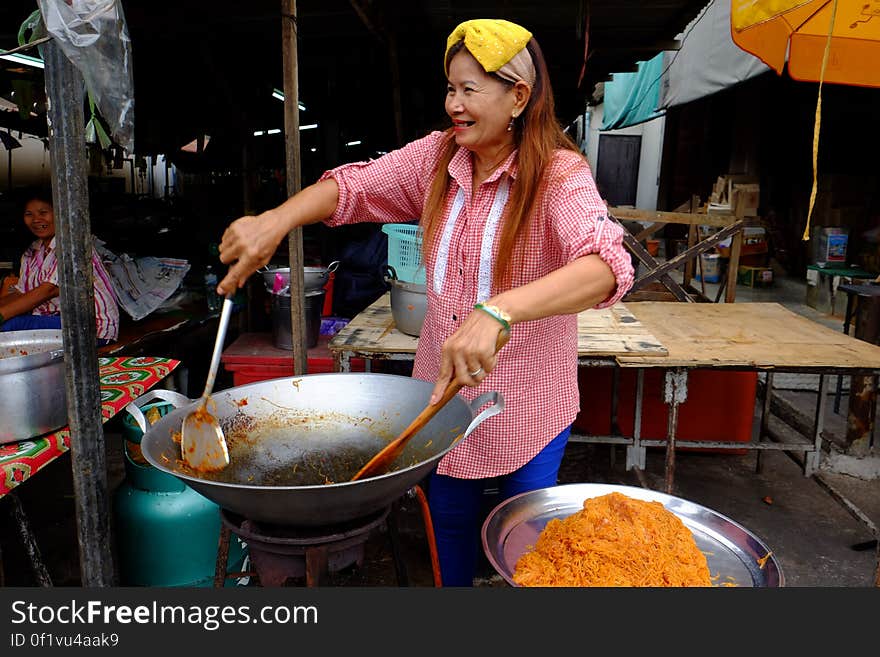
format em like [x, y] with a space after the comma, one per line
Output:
[496, 312]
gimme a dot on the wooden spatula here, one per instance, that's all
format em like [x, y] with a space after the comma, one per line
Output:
[380, 463]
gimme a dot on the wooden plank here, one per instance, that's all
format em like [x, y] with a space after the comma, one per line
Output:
[613, 331]
[747, 335]
[605, 332]
[701, 247]
[717, 220]
[648, 260]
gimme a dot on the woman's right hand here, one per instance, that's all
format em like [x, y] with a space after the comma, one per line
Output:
[248, 243]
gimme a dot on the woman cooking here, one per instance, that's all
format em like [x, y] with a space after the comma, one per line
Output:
[515, 237]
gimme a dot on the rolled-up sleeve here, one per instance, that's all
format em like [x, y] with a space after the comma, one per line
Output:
[579, 218]
[390, 189]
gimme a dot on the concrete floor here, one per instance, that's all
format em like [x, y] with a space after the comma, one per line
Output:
[819, 528]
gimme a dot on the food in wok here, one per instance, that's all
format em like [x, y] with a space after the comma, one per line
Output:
[615, 540]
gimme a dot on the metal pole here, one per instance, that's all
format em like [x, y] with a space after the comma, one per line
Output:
[291, 141]
[64, 90]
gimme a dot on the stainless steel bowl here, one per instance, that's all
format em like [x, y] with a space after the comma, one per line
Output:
[409, 302]
[34, 398]
[733, 553]
[314, 278]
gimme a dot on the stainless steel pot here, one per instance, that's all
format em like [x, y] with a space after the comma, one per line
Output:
[314, 278]
[33, 398]
[295, 442]
[409, 302]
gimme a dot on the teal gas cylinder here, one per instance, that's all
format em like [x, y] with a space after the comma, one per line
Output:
[166, 533]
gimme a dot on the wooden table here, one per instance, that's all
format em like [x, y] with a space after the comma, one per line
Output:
[678, 338]
[602, 334]
[745, 336]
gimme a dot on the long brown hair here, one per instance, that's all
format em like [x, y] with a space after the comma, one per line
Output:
[537, 134]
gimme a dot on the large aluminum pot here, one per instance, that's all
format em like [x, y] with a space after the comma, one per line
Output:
[295, 442]
[314, 278]
[33, 399]
[409, 302]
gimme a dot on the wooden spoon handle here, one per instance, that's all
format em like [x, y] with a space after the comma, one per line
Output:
[386, 456]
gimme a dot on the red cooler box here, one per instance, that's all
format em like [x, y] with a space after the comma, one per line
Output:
[720, 405]
[253, 357]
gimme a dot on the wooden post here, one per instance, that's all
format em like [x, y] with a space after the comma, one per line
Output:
[693, 238]
[291, 142]
[64, 89]
[735, 248]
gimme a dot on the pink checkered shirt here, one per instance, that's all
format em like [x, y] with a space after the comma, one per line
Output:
[537, 369]
[40, 265]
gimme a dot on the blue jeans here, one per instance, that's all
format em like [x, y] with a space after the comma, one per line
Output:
[31, 322]
[457, 513]
[35, 322]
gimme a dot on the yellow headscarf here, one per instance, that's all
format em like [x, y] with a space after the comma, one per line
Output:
[492, 42]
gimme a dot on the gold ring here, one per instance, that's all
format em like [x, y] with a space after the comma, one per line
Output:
[476, 372]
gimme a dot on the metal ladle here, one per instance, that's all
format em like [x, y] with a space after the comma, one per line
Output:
[202, 443]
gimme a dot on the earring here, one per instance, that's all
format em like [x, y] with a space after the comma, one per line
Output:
[510, 124]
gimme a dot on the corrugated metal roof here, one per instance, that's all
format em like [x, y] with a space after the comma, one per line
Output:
[209, 68]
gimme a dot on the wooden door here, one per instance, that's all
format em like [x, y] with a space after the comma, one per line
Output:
[617, 168]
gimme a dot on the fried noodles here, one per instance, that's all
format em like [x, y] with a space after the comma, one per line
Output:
[615, 540]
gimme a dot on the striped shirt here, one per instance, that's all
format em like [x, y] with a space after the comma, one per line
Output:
[39, 265]
[536, 371]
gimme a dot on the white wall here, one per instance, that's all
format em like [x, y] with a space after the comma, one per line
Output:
[651, 153]
[31, 166]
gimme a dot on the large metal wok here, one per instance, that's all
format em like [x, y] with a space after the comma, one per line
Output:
[295, 442]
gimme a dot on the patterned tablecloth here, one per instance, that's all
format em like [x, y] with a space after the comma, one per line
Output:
[122, 380]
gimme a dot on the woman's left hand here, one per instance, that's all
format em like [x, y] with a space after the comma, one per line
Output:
[469, 354]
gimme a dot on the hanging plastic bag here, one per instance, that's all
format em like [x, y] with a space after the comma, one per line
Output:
[94, 37]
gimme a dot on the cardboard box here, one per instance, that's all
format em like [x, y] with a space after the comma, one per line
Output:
[747, 197]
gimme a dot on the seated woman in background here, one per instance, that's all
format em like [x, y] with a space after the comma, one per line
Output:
[33, 303]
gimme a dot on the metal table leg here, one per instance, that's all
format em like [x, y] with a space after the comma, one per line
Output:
[765, 420]
[635, 453]
[811, 460]
[615, 395]
[850, 303]
[675, 393]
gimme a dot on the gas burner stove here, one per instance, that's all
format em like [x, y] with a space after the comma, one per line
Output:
[280, 553]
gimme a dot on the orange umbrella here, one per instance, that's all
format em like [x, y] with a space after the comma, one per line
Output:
[770, 28]
[826, 41]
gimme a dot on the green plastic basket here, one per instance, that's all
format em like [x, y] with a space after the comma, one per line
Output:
[405, 252]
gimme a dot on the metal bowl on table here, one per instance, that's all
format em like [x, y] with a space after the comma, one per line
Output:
[34, 398]
[409, 303]
[314, 278]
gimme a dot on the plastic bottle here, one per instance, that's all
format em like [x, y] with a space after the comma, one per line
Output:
[214, 300]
